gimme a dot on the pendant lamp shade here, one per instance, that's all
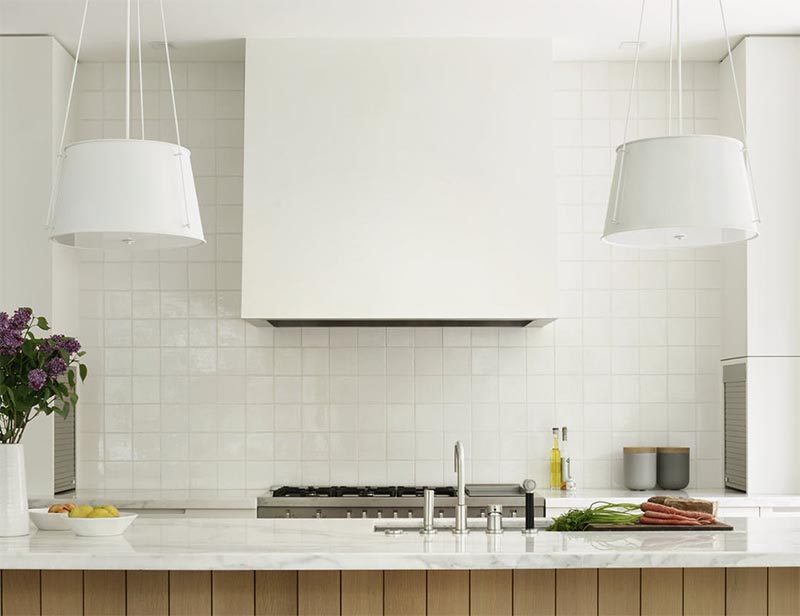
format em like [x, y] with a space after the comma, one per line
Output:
[117, 193]
[680, 191]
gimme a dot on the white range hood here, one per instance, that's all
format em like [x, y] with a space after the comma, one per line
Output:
[398, 181]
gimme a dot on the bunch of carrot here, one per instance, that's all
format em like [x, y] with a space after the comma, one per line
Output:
[655, 513]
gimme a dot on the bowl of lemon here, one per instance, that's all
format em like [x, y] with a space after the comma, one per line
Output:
[101, 521]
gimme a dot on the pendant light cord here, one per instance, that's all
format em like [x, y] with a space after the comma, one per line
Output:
[743, 126]
[141, 81]
[187, 222]
[60, 155]
[169, 73]
[128, 70]
[624, 145]
[669, 86]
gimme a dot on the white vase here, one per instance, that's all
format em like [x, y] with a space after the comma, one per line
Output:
[14, 520]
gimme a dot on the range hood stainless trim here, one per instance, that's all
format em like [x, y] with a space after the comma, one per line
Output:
[524, 322]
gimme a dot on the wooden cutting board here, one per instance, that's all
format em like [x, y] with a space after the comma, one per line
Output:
[644, 527]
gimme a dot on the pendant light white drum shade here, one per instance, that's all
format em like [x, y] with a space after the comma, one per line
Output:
[117, 193]
[680, 191]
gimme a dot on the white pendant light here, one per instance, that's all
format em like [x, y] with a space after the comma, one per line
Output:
[681, 190]
[118, 193]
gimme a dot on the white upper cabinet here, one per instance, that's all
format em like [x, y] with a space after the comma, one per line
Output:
[398, 180]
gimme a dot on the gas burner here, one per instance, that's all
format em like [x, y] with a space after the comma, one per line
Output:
[358, 491]
[419, 491]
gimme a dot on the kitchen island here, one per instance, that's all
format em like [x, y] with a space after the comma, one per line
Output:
[247, 566]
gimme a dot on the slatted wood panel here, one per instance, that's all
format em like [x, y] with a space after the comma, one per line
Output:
[576, 592]
[148, 593]
[233, 593]
[534, 592]
[404, 593]
[21, 595]
[491, 592]
[448, 593]
[276, 593]
[746, 592]
[662, 592]
[104, 593]
[618, 592]
[784, 591]
[665, 592]
[703, 592]
[190, 593]
[362, 593]
[318, 593]
[62, 593]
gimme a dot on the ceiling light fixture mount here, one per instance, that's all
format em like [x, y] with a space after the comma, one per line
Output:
[125, 193]
[681, 190]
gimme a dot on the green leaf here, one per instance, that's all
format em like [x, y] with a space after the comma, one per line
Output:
[83, 371]
[71, 378]
[41, 323]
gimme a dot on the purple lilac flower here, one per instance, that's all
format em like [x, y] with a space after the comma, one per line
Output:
[60, 342]
[36, 379]
[56, 367]
[21, 318]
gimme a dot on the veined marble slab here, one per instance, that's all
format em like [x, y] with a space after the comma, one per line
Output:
[230, 544]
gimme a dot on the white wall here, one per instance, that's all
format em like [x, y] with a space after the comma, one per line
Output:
[34, 78]
[191, 396]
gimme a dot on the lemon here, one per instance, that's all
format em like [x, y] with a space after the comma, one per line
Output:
[99, 512]
[81, 511]
[111, 509]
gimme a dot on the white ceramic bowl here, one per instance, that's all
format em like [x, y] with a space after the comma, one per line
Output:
[48, 521]
[101, 527]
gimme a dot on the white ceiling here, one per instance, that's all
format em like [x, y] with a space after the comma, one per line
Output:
[580, 29]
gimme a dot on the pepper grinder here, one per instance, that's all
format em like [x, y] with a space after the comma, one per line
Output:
[529, 485]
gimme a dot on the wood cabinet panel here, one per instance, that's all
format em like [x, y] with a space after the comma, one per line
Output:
[62, 593]
[703, 592]
[404, 593]
[534, 592]
[618, 592]
[104, 593]
[448, 593]
[276, 593]
[576, 592]
[190, 593]
[233, 593]
[318, 593]
[148, 593]
[362, 593]
[662, 592]
[20, 595]
[491, 592]
[746, 592]
[783, 596]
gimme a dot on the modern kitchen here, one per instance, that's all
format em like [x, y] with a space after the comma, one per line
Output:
[368, 307]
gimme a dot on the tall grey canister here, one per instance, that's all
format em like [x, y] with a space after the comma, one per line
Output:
[640, 467]
[673, 468]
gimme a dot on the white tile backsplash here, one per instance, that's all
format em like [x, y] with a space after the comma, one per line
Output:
[184, 394]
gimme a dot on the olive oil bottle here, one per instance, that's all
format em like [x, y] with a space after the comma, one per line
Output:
[555, 463]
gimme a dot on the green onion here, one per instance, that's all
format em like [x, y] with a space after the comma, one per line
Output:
[597, 513]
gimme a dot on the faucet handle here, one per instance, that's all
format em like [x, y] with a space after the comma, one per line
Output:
[529, 485]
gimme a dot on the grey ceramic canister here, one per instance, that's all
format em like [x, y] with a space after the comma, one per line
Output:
[640, 467]
[673, 468]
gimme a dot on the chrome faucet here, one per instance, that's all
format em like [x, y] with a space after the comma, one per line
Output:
[461, 508]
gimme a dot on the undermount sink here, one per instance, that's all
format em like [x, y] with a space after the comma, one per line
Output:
[478, 524]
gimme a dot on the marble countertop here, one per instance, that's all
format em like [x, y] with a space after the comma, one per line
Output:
[156, 499]
[725, 498]
[245, 544]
